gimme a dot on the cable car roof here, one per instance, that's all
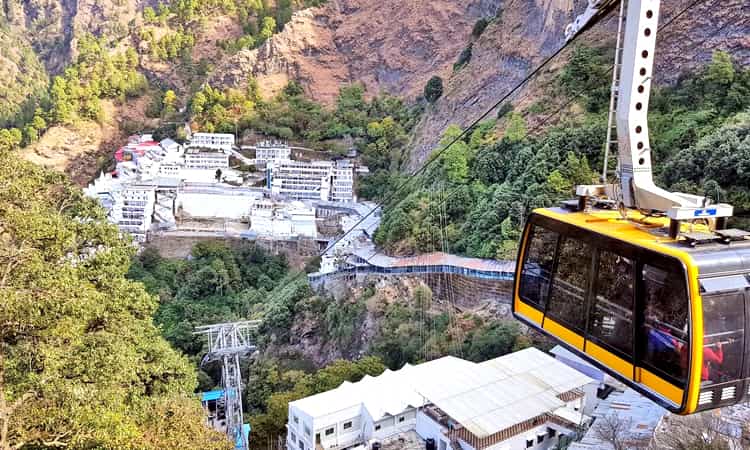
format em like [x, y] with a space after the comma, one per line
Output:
[713, 257]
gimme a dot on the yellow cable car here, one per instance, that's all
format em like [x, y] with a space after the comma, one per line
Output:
[656, 293]
[665, 316]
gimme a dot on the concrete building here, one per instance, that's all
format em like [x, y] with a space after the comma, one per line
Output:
[207, 200]
[524, 400]
[133, 210]
[314, 180]
[217, 141]
[272, 151]
[631, 417]
[206, 158]
[268, 218]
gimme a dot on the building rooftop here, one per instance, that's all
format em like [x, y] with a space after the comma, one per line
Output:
[484, 398]
[638, 416]
[436, 259]
[193, 149]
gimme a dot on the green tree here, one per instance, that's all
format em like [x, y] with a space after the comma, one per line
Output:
[79, 349]
[433, 90]
[515, 130]
[10, 138]
[149, 15]
[455, 159]
[268, 28]
[170, 102]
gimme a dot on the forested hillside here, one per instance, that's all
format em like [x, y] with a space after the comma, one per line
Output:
[484, 186]
[81, 363]
[306, 338]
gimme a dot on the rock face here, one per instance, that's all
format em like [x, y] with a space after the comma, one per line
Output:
[389, 45]
[528, 31]
[53, 26]
[396, 46]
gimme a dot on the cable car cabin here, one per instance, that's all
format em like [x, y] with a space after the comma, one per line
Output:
[665, 318]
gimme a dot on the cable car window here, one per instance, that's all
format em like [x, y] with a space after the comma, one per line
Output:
[723, 336]
[611, 320]
[537, 266]
[665, 329]
[567, 302]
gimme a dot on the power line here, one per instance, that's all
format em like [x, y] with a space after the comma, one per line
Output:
[435, 156]
[583, 91]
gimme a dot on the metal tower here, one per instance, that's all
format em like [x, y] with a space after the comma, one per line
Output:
[228, 342]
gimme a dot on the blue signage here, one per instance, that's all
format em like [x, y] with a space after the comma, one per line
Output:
[705, 212]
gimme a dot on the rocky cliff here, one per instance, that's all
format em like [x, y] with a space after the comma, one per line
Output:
[395, 46]
[390, 45]
[527, 31]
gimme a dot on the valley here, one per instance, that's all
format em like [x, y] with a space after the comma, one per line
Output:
[97, 343]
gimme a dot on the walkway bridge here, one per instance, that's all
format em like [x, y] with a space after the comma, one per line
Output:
[462, 277]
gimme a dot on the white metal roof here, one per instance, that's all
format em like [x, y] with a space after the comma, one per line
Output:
[502, 392]
[484, 398]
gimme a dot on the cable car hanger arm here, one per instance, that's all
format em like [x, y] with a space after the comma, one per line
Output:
[632, 87]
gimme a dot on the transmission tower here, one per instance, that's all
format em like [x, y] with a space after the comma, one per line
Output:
[227, 343]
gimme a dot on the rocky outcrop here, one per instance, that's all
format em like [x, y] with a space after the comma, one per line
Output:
[389, 45]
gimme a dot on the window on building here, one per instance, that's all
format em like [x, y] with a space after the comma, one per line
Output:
[401, 419]
[296, 419]
[307, 431]
[329, 431]
[292, 437]
[529, 443]
[377, 427]
[540, 438]
[347, 425]
[551, 432]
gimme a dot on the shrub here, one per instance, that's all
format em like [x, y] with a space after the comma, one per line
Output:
[433, 90]
[463, 58]
[479, 27]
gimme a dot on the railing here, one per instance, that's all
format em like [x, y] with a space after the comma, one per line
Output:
[411, 270]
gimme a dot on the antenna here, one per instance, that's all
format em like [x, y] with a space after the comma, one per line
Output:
[228, 342]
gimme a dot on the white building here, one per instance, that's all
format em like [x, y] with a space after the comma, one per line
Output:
[206, 158]
[314, 180]
[272, 151]
[205, 200]
[133, 210]
[268, 218]
[633, 417]
[524, 400]
[218, 141]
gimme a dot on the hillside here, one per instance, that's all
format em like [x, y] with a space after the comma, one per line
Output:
[526, 32]
[389, 45]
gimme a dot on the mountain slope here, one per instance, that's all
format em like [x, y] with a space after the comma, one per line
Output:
[530, 30]
[388, 45]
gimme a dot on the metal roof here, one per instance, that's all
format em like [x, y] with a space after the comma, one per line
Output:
[435, 259]
[484, 398]
[640, 414]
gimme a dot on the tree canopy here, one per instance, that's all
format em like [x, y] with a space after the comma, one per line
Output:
[81, 363]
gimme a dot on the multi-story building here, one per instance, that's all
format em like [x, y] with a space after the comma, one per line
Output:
[314, 180]
[524, 400]
[219, 141]
[207, 158]
[342, 182]
[272, 151]
[133, 209]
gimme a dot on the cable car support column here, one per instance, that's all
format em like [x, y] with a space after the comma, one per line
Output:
[632, 81]
[227, 343]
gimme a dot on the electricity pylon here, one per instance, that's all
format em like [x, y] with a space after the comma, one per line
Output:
[228, 342]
